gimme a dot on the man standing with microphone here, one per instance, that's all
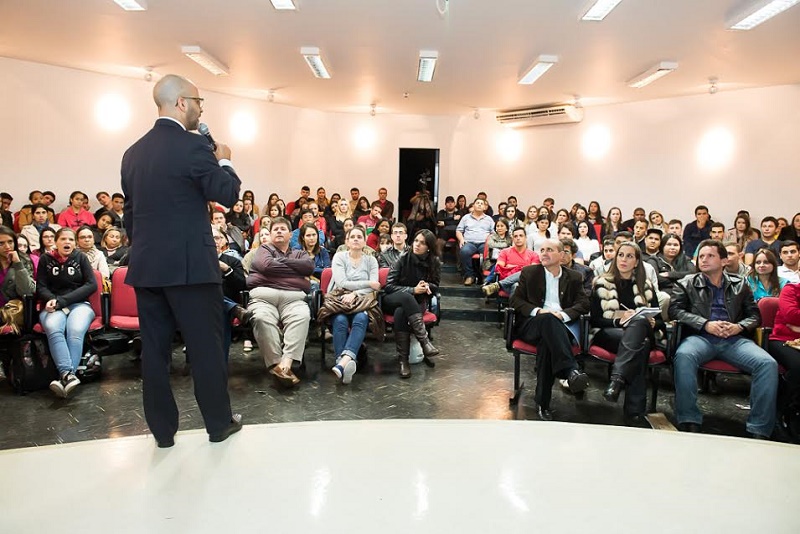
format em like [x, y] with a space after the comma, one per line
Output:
[168, 177]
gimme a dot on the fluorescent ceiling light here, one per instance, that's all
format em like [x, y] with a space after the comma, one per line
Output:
[542, 65]
[427, 64]
[205, 60]
[652, 74]
[314, 60]
[599, 9]
[759, 12]
[283, 4]
[132, 5]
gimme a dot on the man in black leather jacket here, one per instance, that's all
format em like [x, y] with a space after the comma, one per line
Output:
[718, 312]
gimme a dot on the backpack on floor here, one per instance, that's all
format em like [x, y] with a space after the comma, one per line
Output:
[30, 367]
[90, 367]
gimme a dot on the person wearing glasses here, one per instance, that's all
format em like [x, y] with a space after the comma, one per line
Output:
[168, 178]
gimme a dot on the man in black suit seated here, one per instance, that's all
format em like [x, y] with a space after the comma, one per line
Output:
[168, 177]
[549, 302]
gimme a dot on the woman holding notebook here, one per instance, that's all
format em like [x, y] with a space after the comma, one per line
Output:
[617, 327]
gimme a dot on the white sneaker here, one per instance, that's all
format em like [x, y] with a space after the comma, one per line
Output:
[70, 383]
[58, 389]
[248, 345]
[349, 371]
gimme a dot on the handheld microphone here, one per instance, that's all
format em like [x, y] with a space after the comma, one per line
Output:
[203, 129]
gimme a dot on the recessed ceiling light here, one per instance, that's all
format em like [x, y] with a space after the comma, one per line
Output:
[758, 12]
[542, 65]
[427, 65]
[599, 9]
[652, 74]
[205, 60]
[132, 5]
[315, 63]
[283, 4]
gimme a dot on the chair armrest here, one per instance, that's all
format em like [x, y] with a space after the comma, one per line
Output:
[508, 326]
[105, 307]
[244, 298]
[438, 311]
[583, 342]
[315, 303]
[677, 332]
[766, 331]
[28, 312]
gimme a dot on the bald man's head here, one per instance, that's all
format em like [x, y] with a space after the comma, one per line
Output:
[178, 98]
[168, 89]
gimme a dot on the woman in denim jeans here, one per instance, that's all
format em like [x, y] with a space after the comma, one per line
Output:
[357, 273]
[65, 281]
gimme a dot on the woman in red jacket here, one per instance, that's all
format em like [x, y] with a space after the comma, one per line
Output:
[787, 328]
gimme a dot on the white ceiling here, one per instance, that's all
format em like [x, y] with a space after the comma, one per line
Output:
[371, 48]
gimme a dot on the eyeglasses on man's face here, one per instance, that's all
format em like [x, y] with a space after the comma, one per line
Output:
[197, 99]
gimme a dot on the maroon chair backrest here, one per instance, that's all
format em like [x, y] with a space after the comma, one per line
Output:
[95, 300]
[768, 306]
[325, 280]
[123, 296]
[383, 274]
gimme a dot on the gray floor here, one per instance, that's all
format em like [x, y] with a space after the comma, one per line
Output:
[472, 380]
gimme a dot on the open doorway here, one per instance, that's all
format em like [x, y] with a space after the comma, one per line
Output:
[418, 166]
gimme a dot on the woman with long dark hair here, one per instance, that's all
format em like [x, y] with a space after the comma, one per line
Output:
[273, 198]
[362, 208]
[671, 264]
[411, 283]
[47, 241]
[615, 297]
[249, 195]
[613, 222]
[595, 217]
[461, 205]
[237, 217]
[763, 279]
[64, 283]
[16, 269]
[741, 233]
[309, 241]
[792, 231]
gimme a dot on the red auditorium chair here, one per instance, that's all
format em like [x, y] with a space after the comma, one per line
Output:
[124, 315]
[658, 359]
[518, 348]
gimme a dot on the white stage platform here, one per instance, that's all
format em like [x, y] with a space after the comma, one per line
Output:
[406, 476]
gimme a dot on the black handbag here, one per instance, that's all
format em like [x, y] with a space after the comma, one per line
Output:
[30, 366]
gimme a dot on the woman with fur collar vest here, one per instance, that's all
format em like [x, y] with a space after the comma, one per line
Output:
[615, 297]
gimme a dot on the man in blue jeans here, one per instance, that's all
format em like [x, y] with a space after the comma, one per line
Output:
[471, 234]
[717, 311]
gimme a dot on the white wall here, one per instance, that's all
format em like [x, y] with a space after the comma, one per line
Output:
[51, 140]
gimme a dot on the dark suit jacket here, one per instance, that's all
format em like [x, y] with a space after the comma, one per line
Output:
[531, 292]
[168, 176]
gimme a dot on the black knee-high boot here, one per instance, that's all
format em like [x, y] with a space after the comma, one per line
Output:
[403, 342]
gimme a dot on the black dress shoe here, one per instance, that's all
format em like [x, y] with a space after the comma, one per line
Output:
[544, 414]
[689, 427]
[636, 421]
[165, 444]
[615, 387]
[234, 426]
[577, 381]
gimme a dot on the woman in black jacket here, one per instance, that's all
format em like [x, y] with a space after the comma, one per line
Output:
[65, 281]
[411, 283]
[671, 263]
[615, 297]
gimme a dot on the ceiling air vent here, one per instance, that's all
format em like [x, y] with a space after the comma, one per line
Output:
[524, 118]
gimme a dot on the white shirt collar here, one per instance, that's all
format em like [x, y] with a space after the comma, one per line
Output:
[176, 121]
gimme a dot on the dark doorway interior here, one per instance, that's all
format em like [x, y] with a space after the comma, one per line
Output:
[417, 164]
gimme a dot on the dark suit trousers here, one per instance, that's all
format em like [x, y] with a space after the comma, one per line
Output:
[632, 346]
[553, 352]
[195, 310]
